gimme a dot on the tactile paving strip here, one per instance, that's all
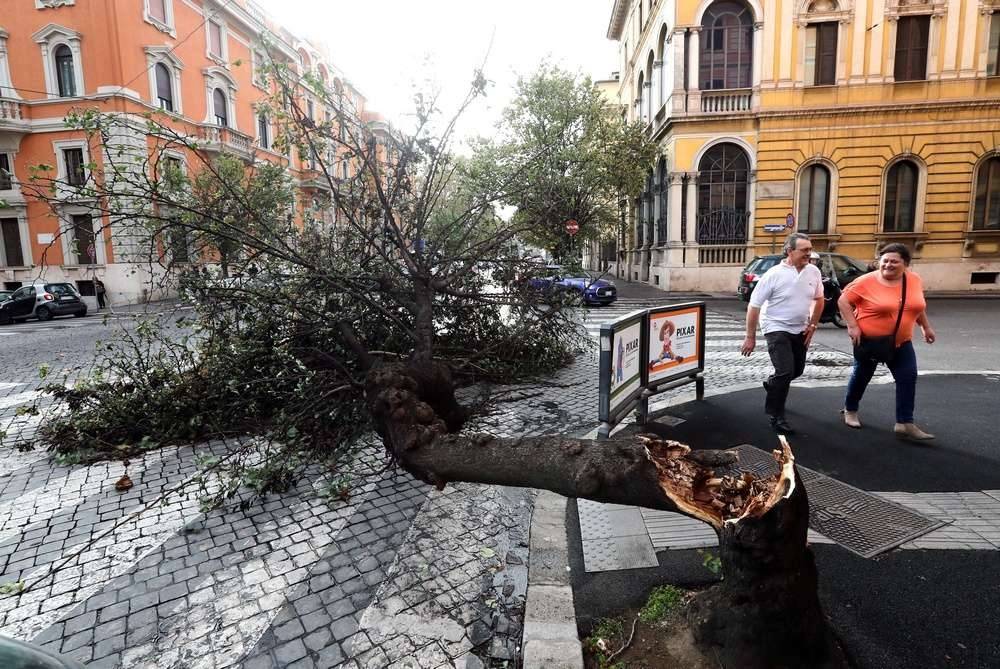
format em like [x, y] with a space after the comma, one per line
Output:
[613, 537]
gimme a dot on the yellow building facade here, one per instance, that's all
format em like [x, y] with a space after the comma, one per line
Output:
[857, 121]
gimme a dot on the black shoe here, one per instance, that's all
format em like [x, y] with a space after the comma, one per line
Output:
[780, 425]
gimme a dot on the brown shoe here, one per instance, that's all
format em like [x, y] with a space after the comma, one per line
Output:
[911, 432]
[851, 419]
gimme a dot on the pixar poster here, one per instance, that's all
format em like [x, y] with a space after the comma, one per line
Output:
[674, 343]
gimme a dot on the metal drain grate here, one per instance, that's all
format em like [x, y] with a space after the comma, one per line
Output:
[862, 523]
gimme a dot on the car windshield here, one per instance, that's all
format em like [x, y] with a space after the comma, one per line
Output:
[60, 289]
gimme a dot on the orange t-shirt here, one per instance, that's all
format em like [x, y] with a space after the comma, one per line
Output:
[876, 306]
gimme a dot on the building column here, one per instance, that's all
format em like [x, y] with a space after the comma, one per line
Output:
[675, 42]
[933, 38]
[758, 56]
[692, 218]
[752, 203]
[659, 96]
[694, 95]
[648, 95]
[675, 252]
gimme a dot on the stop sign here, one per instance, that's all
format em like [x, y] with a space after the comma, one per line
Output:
[572, 227]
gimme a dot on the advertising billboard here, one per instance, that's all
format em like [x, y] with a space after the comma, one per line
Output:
[676, 336]
[622, 361]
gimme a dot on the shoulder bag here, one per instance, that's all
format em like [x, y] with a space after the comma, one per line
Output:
[881, 349]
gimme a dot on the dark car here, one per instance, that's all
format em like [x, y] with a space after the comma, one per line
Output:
[5, 295]
[833, 266]
[43, 301]
[591, 290]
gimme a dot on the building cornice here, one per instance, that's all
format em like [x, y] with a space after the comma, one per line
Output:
[619, 13]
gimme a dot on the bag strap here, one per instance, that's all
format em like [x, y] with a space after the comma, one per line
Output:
[902, 303]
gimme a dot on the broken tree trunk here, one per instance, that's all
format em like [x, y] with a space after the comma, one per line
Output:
[765, 613]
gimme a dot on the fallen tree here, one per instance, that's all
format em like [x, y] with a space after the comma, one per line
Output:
[400, 286]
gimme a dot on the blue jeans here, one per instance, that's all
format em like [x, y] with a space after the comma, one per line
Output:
[904, 372]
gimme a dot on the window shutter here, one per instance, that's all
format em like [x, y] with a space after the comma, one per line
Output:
[826, 53]
[12, 242]
[164, 91]
[215, 39]
[911, 48]
[219, 102]
[812, 33]
[157, 10]
[993, 68]
[6, 183]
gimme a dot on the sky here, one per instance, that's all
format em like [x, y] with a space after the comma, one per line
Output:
[387, 47]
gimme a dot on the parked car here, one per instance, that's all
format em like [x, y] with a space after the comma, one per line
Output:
[594, 291]
[43, 301]
[834, 267]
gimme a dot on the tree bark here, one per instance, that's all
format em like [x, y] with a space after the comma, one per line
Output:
[766, 611]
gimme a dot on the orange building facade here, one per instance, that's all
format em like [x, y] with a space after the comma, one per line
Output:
[198, 61]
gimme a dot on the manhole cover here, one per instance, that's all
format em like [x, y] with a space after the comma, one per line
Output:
[862, 523]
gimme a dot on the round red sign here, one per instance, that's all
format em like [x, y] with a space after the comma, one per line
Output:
[572, 227]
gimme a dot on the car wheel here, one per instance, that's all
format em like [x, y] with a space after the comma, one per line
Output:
[838, 319]
[80, 314]
[43, 314]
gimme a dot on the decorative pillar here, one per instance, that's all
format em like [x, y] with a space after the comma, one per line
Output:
[694, 95]
[692, 217]
[752, 202]
[647, 94]
[658, 88]
[675, 254]
[758, 33]
[933, 40]
[677, 100]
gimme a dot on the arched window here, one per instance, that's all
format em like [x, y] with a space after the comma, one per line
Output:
[726, 54]
[900, 197]
[65, 75]
[814, 199]
[164, 87]
[221, 107]
[986, 213]
[723, 188]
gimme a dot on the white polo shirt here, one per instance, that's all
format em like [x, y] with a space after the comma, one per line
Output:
[787, 297]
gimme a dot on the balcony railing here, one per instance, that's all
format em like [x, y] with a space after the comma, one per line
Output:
[720, 227]
[726, 101]
[12, 116]
[218, 138]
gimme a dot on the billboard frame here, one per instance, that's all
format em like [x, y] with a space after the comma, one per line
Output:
[638, 399]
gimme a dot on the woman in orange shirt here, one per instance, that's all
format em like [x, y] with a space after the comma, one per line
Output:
[870, 305]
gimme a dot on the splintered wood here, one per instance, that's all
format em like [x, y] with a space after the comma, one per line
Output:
[698, 492]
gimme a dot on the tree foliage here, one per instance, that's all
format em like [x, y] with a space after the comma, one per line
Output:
[581, 157]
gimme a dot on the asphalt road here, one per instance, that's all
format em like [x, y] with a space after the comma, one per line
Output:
[904, 608]
[967, 332]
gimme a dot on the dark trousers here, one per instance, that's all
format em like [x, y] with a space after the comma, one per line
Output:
[904, 372]
[100, 300]
[788, 355]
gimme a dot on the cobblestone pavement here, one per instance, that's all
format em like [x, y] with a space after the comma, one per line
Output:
[401, 575]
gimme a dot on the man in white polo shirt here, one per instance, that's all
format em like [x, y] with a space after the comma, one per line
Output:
[791, 295]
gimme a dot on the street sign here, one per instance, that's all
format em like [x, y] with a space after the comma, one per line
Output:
[572, 227]
[790, 221]
[774, 228]
[91, 252]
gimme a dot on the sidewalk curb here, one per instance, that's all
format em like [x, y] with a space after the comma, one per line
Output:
[550, 638]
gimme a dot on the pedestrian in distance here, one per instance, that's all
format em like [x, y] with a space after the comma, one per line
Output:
[100, 290]
[880, 310]
[787, 304]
